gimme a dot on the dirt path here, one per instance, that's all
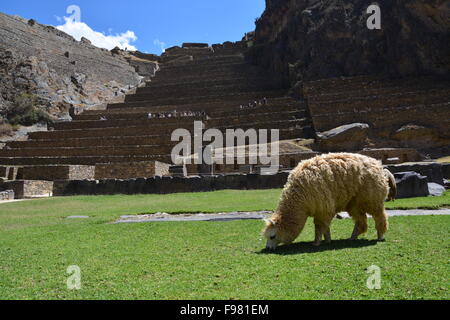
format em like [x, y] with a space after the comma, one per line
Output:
[231, 216]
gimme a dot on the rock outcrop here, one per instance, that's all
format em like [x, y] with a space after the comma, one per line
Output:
[314, 39]
[56, 70]
[416, 136]
[410, 185]
[351, 137]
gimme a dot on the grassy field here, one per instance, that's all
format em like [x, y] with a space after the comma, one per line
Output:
[210, 260]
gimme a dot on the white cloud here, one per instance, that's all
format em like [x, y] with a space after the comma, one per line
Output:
[81, 29]
[160, 44]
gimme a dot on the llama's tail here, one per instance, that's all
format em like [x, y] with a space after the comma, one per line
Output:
[392, 185]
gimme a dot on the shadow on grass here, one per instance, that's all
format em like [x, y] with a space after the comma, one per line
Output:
[307, 247]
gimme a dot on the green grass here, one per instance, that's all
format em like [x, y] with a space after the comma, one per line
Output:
[421, 203]
[208, 260]
[105, 208]
[444, 160]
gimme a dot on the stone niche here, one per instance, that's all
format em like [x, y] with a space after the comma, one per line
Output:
[3, 171]
[131, 170]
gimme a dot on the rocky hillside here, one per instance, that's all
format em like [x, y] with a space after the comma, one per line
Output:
[44, 72]
[314, 39]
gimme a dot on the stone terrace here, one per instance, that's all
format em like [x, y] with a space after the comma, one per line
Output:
[217, 86]
[195, 83]
[385, 104]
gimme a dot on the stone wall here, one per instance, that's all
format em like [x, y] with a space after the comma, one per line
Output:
[55, 172]
[165, 185]
[286, 161]
[385, 104]
[29, 189]
[384, 154]
[131, 170]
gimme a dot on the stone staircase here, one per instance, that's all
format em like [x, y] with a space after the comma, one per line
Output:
[212, 85]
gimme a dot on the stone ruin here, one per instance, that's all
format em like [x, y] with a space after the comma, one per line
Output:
[126, 148]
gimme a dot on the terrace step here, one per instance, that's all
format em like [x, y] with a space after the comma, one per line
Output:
[168, 128]
[90, 142]
[100, 151]
[232, 105]
[369, 82]
[145, 94]
[395, 89]
[241, 96]
[208, 77]
[211, 73]
[114, 132]
[201, 83]
[384, 101]
[144, 121]
[205, 61]
[198, 69]
[89, 160]
[142, 113]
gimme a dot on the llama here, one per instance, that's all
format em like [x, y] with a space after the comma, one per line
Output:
[322, 187]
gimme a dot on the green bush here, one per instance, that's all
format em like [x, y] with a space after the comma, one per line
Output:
[24, 111]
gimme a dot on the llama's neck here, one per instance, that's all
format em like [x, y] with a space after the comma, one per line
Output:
[291, 202]
[290, 215]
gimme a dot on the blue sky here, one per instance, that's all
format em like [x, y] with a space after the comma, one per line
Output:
[155, 23]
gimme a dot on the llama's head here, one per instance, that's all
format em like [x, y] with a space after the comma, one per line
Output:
[270, 233]
[278, 233]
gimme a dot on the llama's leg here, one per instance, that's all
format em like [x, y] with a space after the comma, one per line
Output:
[321, 230]
[355, 233]
[360, 225]
[381, 223]
[327, 235]
[318, 233]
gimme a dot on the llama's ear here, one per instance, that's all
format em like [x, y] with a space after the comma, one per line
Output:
[269, 222]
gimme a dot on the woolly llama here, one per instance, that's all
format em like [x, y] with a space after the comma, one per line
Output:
[325, 185]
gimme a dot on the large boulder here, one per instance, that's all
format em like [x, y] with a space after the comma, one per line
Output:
[420, 137]
[350, 137]
[435, 189]
[411, 185]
